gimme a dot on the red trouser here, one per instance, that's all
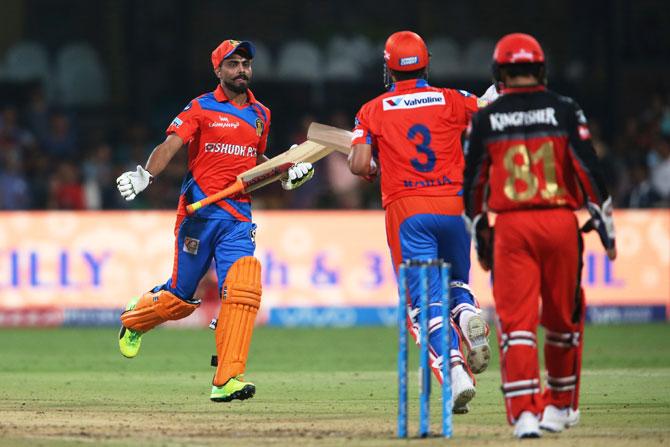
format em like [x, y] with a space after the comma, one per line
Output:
[538, 253]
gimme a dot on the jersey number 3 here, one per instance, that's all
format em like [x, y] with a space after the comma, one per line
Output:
[522, 173]
[421, 132]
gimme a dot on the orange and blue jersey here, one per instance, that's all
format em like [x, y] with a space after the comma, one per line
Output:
[224, 139]
[416, 131]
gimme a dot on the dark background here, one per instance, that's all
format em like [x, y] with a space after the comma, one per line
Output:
[613, 57]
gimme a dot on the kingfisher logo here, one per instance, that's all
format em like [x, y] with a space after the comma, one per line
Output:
[414, 100]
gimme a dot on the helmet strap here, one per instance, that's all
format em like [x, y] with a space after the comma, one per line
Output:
[387, 77]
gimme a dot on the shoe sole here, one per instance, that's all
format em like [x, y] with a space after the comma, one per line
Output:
[557, 428]
[465, 409]
[479, 353]
[461, 401]
[532, 435]
[245, 393]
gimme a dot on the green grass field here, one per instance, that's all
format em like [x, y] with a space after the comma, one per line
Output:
[63, 387]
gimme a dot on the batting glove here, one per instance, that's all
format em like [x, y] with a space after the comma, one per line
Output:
[297, 174]
[482, 236]
[131, 183]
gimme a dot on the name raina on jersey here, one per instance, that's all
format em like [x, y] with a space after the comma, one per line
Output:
[424, 183]
[499, 121]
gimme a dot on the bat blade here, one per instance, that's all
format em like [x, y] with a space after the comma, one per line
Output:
[309, 151]
[329, 136]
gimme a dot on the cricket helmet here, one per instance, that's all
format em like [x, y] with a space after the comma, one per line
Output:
[517, 48]
[405, 51]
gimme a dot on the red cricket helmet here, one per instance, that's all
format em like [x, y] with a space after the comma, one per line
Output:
[405, 51]
[517, 48]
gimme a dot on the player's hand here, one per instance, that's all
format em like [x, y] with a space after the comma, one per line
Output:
[131, 183]
[373, 173]
[297, 175]
[601, 220]
[482, 235]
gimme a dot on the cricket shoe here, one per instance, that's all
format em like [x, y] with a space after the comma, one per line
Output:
[527, 426]
[462, 389]
[130, 340]
[234, 388]
[555, 419]
[475, 330]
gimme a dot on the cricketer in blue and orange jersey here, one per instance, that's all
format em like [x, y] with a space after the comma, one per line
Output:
[226, 132]
[415, 131]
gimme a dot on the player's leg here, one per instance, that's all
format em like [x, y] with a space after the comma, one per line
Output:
[239, 275]
[454, 247]
[516, 289]
[563, 319]
[417, 240]
[174, 299]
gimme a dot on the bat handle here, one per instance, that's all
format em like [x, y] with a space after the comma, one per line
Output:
[236, 187]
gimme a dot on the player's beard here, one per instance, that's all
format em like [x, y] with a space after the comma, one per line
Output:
[235, 87]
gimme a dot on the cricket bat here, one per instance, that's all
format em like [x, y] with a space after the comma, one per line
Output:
[321, 141]
[329, 136]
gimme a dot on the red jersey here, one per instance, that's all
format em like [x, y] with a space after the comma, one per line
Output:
[224, 140]
[416, 130]
[531, 148]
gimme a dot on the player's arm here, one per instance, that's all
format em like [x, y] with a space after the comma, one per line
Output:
[181, 129]
[587, 166]
[131, 183]
[475, 182]
[361, 161]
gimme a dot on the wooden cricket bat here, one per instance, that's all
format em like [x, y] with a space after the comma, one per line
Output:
[321, 141]
[329, 136]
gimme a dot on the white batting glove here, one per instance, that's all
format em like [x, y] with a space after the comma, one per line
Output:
[131, 183]
[297, 174]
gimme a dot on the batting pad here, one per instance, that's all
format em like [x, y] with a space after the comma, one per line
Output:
[239, 306]
[153, 309]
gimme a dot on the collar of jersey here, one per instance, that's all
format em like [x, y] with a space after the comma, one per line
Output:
[221, 96]
[532, 88]
[408, 84]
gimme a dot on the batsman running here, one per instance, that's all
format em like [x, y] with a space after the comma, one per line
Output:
[414, 130]
[226, 132]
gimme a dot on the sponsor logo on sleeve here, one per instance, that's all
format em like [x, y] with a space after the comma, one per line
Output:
[177, 122]
[358, 133]
[414, 100]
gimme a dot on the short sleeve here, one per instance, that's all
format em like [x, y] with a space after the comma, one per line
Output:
[185, 125]
[362, 131]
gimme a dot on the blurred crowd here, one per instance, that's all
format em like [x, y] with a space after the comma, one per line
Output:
[48, 162]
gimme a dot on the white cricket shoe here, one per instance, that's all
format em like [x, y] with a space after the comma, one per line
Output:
[527, 426]
[462, 389]
[555, 419]
[475, 330]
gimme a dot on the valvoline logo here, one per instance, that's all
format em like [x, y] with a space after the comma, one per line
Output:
[414, 100]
